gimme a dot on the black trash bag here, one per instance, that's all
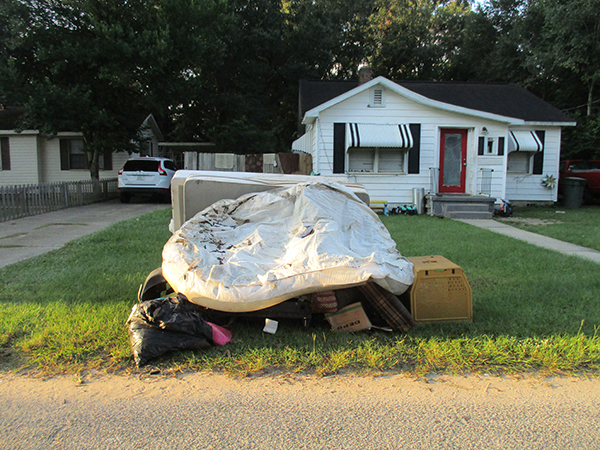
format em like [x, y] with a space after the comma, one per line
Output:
[166, 324]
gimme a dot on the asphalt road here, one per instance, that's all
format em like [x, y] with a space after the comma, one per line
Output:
[199, 411]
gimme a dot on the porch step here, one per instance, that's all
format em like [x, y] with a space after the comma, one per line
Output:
[458, 206]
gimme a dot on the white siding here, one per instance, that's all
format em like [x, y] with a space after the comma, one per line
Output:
[50, 163]
[23, 160]
[118, 161]
[398, 109]
[526, 187]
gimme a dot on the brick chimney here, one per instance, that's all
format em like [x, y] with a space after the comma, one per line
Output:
[365, 74]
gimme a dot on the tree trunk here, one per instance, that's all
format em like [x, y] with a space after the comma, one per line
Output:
[94, 166]
[590, 98]
[95, 173]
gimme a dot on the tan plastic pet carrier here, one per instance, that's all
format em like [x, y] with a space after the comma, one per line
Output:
[440, 291]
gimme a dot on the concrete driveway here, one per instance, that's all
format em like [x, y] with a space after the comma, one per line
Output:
[32, 236]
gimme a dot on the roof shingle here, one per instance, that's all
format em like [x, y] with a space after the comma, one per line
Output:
[504, 99]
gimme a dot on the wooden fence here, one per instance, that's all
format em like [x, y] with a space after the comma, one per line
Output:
[31, 199]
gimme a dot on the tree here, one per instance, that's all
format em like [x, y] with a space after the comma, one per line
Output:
[248, 99]
[490, 46]
[569, 40]
[98, 67]
[416, 39]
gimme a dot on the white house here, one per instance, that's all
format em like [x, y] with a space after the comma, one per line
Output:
[490, 140]
[30, 157]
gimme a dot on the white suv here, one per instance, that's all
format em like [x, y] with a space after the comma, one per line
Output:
[146, 176]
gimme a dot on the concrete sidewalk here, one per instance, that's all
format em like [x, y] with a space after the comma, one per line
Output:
[35, 235]
[536, 239]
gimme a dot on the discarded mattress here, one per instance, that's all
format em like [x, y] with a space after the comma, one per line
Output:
[192, 191]
[264, 248]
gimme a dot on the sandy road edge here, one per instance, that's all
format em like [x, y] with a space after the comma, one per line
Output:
[118, 387]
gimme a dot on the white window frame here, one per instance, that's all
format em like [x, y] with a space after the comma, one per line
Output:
[491, 146]
[527, 156]
[376, 151]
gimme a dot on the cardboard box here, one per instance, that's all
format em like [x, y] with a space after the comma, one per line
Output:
[350, 318]
[440, 291]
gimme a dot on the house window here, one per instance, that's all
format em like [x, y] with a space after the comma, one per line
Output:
[526, 152]
[5, 148]
[77, 157]
[376, 160]
[361, 159]
[490, 146]
[377, 97]
[73, 157]
[519, 162]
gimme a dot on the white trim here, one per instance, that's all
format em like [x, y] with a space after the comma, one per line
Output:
[21, 133]
[68, 134]
[551, 124]
[186, 144]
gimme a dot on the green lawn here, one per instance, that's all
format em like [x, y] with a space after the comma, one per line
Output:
[533, 310]
[579, 226]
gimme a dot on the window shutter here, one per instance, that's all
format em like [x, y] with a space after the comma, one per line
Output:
[339, 147]
[501, 146]
[414, 153]
[64, 154]
[538, 158]
[107, 160]
[481, 147]
[5, 144]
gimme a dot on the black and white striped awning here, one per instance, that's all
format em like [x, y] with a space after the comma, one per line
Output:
[378, 135]
[525, 141]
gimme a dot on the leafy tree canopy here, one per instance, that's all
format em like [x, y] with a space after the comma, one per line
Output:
[100, 67]
[228, 70]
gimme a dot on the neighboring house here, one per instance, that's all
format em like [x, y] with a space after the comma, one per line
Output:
[476, 139]
[29, 157]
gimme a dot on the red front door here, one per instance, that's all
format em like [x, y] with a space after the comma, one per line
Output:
[453, 160]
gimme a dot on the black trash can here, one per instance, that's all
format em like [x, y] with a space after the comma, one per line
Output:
[573, 189]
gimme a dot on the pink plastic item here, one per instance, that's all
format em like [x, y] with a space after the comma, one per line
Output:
[221, 336]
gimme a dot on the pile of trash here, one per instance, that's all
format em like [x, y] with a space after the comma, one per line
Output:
[171, 323]
[312, 248]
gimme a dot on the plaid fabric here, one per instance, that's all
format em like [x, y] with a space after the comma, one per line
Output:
[324, 302]
[388, 306]
[254, 163]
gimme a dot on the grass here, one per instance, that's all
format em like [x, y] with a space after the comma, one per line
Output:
[578, 226]
[534, 310]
